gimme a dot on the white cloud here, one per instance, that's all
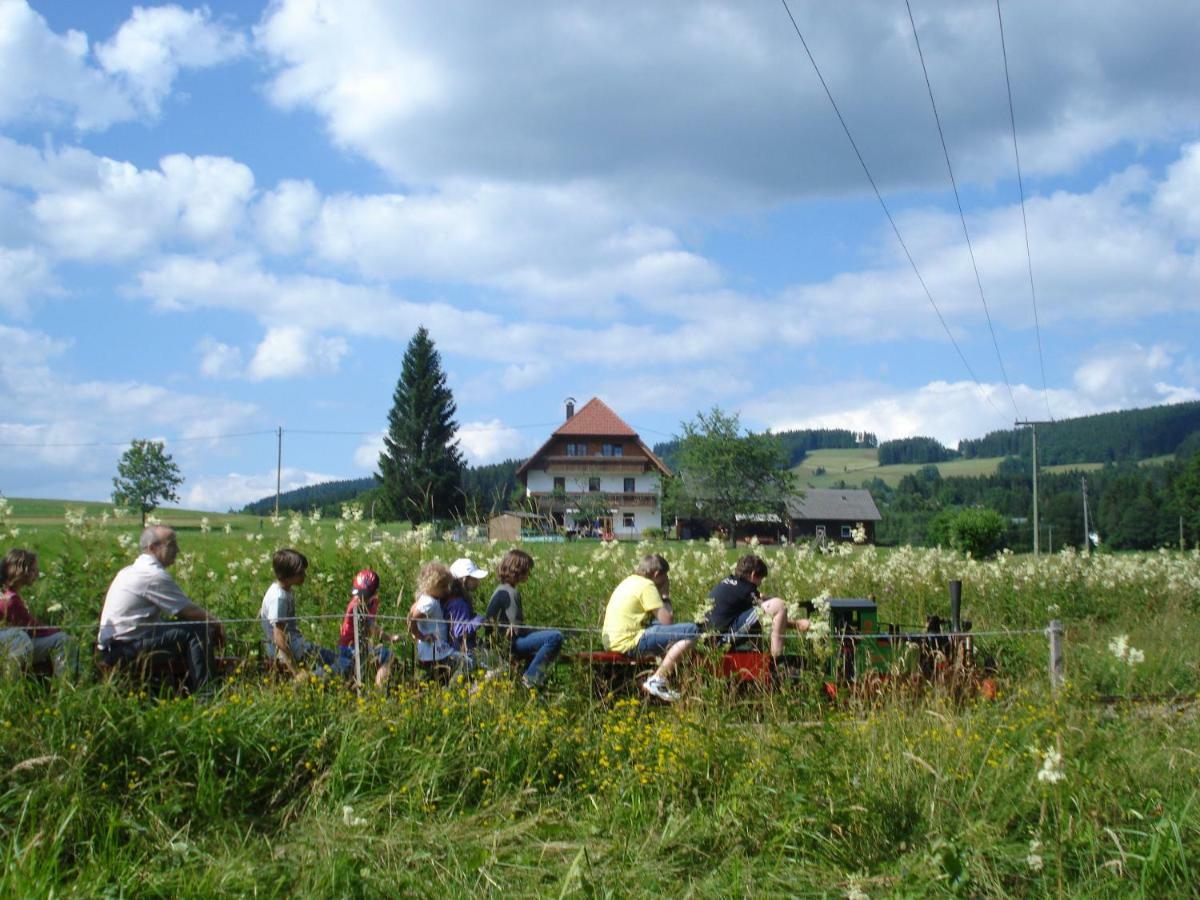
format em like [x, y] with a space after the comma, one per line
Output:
[233, 491]
[51, 77]
[79, 425]
[151, 47]
[24, 273]
[282, 216]
[218, 360]
[289, 351]
[116, 211]
[1178, 196]
[366, 455]
[491, 441]
[1130, 375]
[715, 102]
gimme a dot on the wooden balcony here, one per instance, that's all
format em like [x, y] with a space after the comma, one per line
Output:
[551, 502]
[612, 465]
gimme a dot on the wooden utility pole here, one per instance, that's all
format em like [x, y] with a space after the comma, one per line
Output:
[1087, 532]
[1033, 427]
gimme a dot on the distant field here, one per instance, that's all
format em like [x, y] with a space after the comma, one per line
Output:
[855, 466]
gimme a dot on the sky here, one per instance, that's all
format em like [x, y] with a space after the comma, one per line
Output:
[218, 221]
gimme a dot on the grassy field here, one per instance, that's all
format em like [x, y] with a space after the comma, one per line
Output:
[278, 788]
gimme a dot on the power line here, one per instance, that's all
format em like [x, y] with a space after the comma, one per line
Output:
[887, 212]
[1012, 119]
[961, 215]
[173, 440]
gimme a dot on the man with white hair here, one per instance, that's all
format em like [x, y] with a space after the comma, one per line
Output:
[131, 626]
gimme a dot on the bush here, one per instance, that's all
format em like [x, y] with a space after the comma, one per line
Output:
[978, 532]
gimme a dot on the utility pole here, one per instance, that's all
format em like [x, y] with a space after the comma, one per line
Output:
[1087, 532]
[1033, 427]
[278, 467]
[1050, 528]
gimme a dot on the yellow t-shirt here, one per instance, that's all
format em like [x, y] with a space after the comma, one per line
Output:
[626, 613]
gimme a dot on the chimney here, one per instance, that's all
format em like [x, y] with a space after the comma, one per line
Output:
[570, 407]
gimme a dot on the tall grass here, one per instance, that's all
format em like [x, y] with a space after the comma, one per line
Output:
[279, 788]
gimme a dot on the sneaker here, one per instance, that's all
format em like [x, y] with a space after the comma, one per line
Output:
[657, 687]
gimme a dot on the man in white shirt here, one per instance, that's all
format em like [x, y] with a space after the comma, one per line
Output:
[131, 625]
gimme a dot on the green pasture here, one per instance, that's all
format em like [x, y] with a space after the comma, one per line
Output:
[858, 465]
[273, 788]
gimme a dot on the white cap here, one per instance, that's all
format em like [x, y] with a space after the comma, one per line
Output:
[464, 568]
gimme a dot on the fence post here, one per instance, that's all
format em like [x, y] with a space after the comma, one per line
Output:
[1055, 633]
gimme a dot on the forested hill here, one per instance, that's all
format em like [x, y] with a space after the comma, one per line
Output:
[313, 496]
[794, 443]
[1130, 434]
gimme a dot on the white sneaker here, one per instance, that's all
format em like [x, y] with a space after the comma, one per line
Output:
[657, 687]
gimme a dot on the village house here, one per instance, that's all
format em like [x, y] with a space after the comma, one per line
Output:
[595, 475]
[832, 514]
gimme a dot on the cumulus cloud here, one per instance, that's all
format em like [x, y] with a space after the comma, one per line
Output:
[366, 455]
[491, 441]
[151, 47]
[233, 491]
[53, 77]
[1132, 375]
[79, 425]
[24, 273]
[715, 102]
[288, 351]
[218, 360]
[282, 216]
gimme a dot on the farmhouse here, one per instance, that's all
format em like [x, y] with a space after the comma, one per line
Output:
[831, 515]
[595, 473]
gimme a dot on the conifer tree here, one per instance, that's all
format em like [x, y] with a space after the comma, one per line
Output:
[420, 469]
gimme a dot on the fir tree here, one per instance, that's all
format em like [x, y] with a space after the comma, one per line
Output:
[420, 469]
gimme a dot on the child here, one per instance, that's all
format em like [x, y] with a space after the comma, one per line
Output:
[738, 609]
[460, 609]
[427, 620]
[364, 604]
[541, 648]
[26, 637]
[282, 640]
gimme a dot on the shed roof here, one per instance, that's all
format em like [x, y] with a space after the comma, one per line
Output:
[836, 504]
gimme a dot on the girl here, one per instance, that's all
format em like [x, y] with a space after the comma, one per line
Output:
[460, 609]
[541, 647]
[364, 604]
[20, 569]
[427, 620]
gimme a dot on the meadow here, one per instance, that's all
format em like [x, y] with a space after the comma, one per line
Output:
[274, 788]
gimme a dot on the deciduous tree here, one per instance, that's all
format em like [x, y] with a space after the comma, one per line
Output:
[724, 473]
[146, 477]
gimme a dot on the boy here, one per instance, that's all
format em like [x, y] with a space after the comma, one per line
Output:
[283, 641]
[738, 608]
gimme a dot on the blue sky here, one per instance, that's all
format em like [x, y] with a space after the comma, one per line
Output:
[224, 219]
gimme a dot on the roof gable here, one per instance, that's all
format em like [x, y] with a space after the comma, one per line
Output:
[596, 419]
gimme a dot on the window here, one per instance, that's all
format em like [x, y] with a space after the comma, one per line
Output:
[610, 450]
[846, 532]
[629, 486]
[627, 520]
[593, 484]
[560, 484]
[576, 449]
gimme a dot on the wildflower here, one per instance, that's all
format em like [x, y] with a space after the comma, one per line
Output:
[1034, 858]
[229, 528]
[1051, 771]
[350, 819]
[1119, 647]
[205, 527]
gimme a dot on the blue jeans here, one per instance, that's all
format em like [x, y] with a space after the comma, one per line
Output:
[542, 646]
[658, 638]
[345, 659]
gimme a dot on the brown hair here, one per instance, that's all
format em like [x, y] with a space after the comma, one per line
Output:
[17, 566]
[651, 565]
[750, 565]
[435, 580]
[515, 566]
[289, 563]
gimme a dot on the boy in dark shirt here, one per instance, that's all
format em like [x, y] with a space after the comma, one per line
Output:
[738, 608]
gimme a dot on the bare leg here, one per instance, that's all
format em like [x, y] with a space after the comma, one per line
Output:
[777, 610]
[674, 653]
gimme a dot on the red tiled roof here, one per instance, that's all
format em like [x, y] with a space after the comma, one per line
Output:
[596, 419]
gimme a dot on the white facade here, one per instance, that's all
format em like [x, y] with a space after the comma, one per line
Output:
[628, 521]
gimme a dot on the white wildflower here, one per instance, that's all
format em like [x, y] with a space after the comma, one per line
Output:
[205, 526]
[350, 819]
[1034, 858]
[229, 528]
[1120, 648]
[1051, 771]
